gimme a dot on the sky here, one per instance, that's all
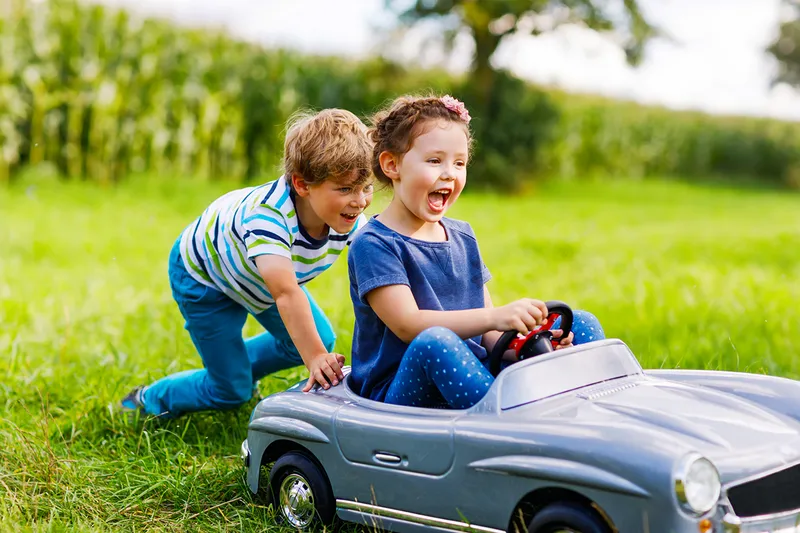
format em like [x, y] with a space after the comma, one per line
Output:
[714, 60]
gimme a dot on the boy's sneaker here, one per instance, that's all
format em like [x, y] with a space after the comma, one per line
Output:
[133, 401]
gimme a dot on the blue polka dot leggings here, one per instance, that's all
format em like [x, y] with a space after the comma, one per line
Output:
[439, 369]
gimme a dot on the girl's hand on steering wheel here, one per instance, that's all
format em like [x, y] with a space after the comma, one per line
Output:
[565, 342]
[521, 315]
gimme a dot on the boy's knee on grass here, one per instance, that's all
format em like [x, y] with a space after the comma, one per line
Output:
[231, 395]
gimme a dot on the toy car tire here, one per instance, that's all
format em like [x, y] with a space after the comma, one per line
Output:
[301, 493]
[567, 517]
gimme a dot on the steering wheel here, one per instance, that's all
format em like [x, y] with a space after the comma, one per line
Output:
[537, 342]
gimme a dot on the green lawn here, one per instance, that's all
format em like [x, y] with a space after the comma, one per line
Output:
[688, 276]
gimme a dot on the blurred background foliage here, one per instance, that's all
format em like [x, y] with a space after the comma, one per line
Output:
[96, 94]
[786, 47]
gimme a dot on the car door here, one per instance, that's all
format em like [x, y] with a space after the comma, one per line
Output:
[388, 445]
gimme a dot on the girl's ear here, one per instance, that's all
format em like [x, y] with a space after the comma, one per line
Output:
[389, 163]
[300, 186]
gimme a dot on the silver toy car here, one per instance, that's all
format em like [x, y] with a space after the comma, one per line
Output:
[576, 440]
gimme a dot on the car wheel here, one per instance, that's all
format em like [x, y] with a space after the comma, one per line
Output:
[301, 493]
[567, 517]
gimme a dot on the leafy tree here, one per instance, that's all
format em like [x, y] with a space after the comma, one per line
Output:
[786, 47]
[513, 121]
[489, 21]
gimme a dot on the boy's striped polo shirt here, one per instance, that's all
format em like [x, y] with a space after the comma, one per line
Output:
[219, 248]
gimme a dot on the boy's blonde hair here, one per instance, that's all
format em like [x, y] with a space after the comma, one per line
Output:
[330, 144]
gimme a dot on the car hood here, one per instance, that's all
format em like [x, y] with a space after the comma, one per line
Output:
[740, 436]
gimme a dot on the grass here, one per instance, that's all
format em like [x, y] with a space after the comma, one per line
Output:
[688, 276]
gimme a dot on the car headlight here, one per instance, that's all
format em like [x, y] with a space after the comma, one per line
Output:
[697, 484]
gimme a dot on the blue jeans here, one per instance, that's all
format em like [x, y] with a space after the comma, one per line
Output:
[439, 368]
[232, 364]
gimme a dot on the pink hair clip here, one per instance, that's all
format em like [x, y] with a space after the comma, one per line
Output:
[456, 106]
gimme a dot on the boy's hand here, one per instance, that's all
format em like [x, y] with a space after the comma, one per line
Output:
[325, 369]
[565, 342]
[522, 315]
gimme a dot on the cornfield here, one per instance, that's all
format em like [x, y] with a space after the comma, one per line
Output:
[597, 136]
[101, 94]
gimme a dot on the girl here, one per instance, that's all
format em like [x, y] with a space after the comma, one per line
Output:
[424, 317]
[251, 251]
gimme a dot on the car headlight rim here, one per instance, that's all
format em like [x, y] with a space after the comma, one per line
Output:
[697, 484]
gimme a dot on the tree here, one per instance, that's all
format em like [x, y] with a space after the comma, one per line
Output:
[786, 47]
[489, 21]
[514, 120]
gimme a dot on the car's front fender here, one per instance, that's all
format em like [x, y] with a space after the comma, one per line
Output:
[288, 427]
[560, 471]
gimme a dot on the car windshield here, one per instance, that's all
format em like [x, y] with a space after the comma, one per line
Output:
[532, 382]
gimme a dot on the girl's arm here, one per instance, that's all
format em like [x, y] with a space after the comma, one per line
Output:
[279, 276]
[490, 337]
[396, 307]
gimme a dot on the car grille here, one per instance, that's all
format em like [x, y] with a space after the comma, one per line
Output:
[774, 493]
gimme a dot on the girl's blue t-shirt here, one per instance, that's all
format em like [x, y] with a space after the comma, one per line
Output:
[442, 276]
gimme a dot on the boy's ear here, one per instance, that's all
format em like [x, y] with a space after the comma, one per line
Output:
[388, 163]
[300, 186]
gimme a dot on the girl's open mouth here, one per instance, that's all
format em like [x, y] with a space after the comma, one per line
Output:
[350, 217]
[437, 200]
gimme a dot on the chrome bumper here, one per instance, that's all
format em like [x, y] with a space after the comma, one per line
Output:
[245, 453]
[788, 522]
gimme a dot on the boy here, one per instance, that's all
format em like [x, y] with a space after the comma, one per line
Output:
[251, 251]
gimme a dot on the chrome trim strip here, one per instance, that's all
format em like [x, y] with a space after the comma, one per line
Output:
[413, 517]
[733, 524]
[764, 517]
[244, 453]
[760, 475]
[736, 524]
[599, 392]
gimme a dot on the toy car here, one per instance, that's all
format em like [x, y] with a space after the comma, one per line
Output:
[575, 440]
